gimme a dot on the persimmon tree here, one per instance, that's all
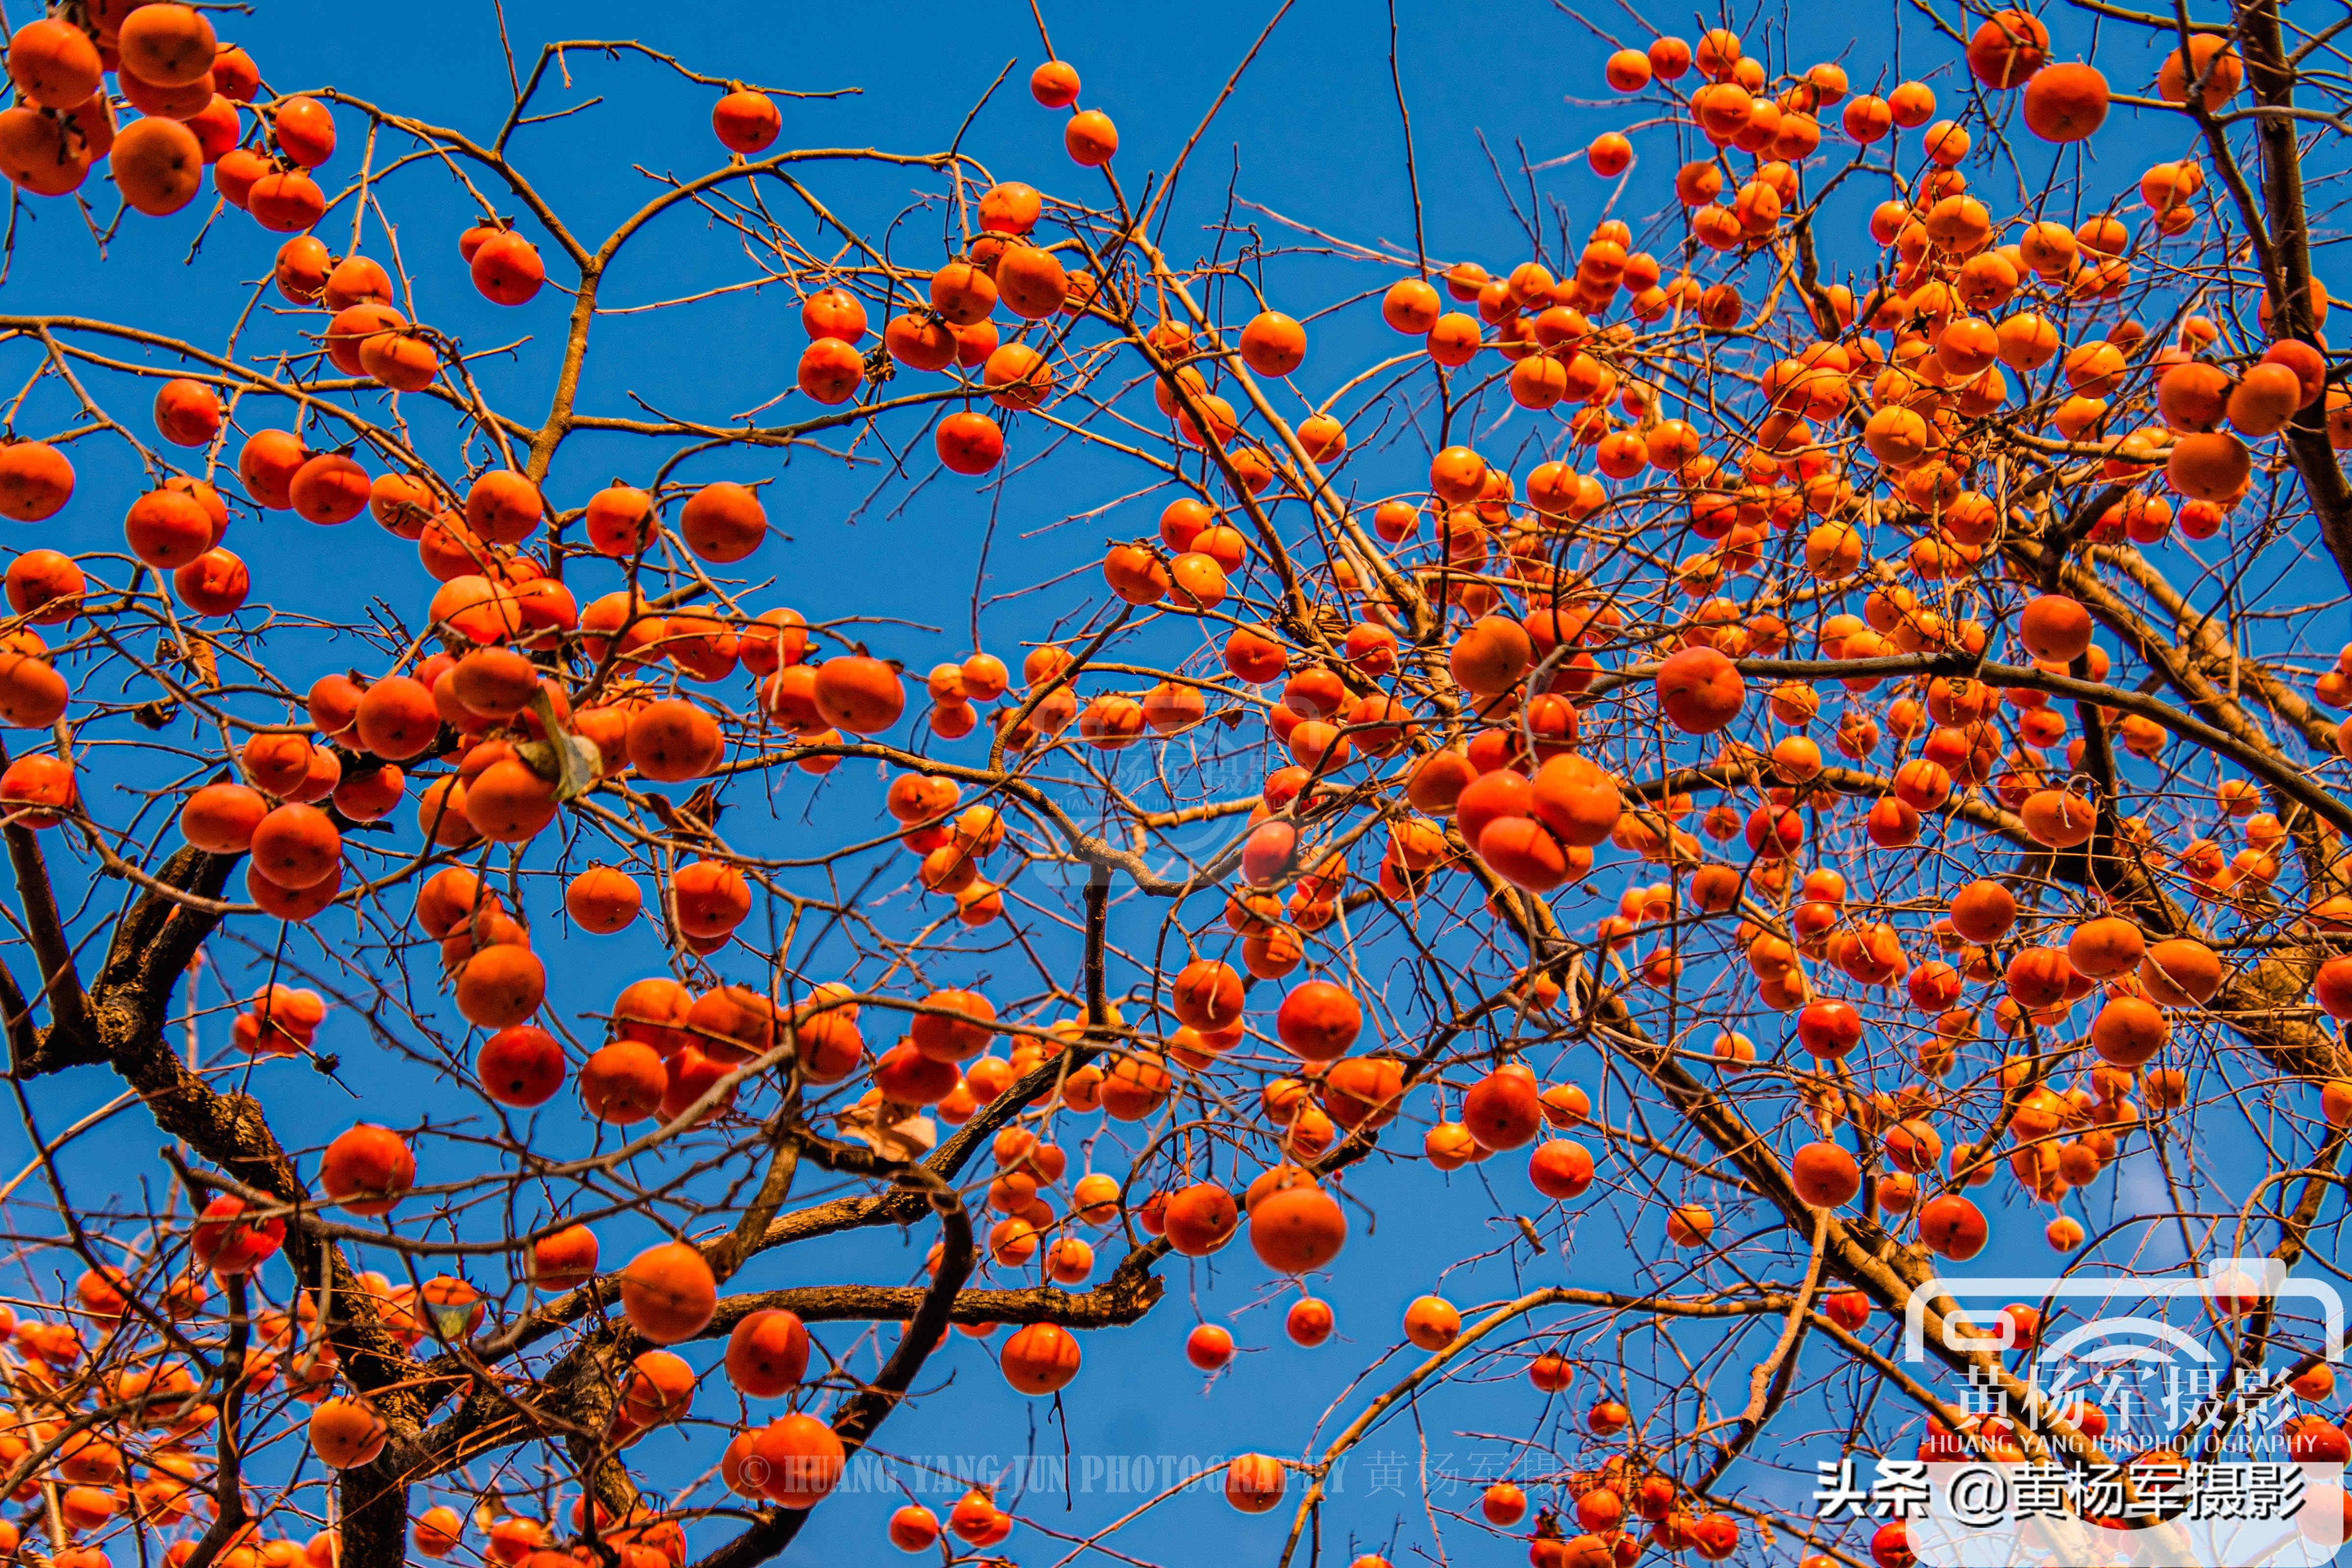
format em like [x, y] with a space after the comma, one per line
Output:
[1801, 719]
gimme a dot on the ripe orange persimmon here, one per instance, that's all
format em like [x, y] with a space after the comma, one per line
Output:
[2128, 1031]
[603, 900]
[158, 165]
[346, 1433]
[2211, 465]
[2065, 102]
[1431, 1322]
[1560, 1168]
[1699, 690]
[520, 1066]
[624, 1082]
[506, 269]
[1055, 84]
[54, 64]
[1824, 1175]
[34, 790]
[673, 741]
[1489, 657]
[367, 1170]
[767, 1354]
[1090, 138]
[565, 1258]
[1953, 1227]
[296, 846]
[2007, 49]
[501, 985]
[1273, 344]
[1253, 1483]
[669, 1292]
[221, 817]
[507, 801]
[2208, 61]
[800, 1459]
[859, 694]
[1502, 1111]
[35, 481]
[1199, 1219]
[1297, 1229]
[2180, 972]
[1040, 1359]
[2055, 627]
[746, 120]
[2105, 947]
[1318, 1020]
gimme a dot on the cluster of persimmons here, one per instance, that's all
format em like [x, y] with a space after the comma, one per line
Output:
[1855, 634]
